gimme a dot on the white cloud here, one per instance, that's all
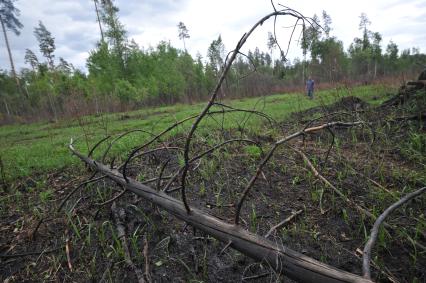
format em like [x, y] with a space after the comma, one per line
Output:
[73, 23]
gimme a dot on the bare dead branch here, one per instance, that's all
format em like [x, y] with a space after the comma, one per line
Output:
[160, 177]
[210, 150]
[202, 154]
[366, 257]
[251, 183]
[165, 131]
[120, 137]
[241, 42]
[331, 186]
[81, 185]
[282, 223]
[96, 145]
[255, 276]
[155, 150]
[120, 194]
[271, 120]
[136, 150]
[271, 152]
[225, 247]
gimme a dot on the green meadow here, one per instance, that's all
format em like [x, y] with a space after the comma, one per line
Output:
[39, 148]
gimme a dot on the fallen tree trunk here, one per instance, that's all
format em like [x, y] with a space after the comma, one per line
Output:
[282, 259]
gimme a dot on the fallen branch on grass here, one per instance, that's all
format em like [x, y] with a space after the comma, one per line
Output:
[330, 185]
[118, 215]
[280, 258]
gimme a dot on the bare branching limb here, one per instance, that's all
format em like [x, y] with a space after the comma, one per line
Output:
[160, 176]
[80, 186]
[97, 145]
[248, 58]
[155, 138]
[120, 194]
[271, 120]
[120, 137]
[244, 279]
[333, 136]
[161, 134]
[201, 155]
[375, 230]
[155, 150]
[271, 152]
[210, 150]
[225, 247]
[284, 12]
[273, 5]
[251, 183]
[331, 186]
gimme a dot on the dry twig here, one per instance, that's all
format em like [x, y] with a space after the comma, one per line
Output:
[282, 223]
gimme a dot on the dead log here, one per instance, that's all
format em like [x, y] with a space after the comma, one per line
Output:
[282, 259]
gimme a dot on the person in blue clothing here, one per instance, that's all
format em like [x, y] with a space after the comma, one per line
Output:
[310, 83]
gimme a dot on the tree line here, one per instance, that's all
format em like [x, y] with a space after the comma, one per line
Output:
[121, 75]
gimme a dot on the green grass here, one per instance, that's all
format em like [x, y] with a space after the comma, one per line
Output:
[41, 147]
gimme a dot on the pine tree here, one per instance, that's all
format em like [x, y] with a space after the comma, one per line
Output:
[363, 25]
[9, 21]
[215, 53]
[46, 43]
[115, 33]
[99, 19]
[183, 33]
[31, 58]
[47, 47]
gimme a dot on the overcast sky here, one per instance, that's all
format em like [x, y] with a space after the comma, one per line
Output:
[73, 24]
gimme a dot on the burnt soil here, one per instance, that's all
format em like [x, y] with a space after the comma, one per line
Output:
[373, 165]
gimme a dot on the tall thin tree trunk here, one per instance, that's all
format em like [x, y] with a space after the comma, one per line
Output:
[99, 20]
[375, 68]
[10, 55]
[7, 108]
[52, 106]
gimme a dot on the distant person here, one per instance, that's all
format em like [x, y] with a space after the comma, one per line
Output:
[310, 83]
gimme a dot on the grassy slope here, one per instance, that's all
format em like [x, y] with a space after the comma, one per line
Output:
[40, 147]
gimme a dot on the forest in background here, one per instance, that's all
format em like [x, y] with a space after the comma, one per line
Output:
[122, 76]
